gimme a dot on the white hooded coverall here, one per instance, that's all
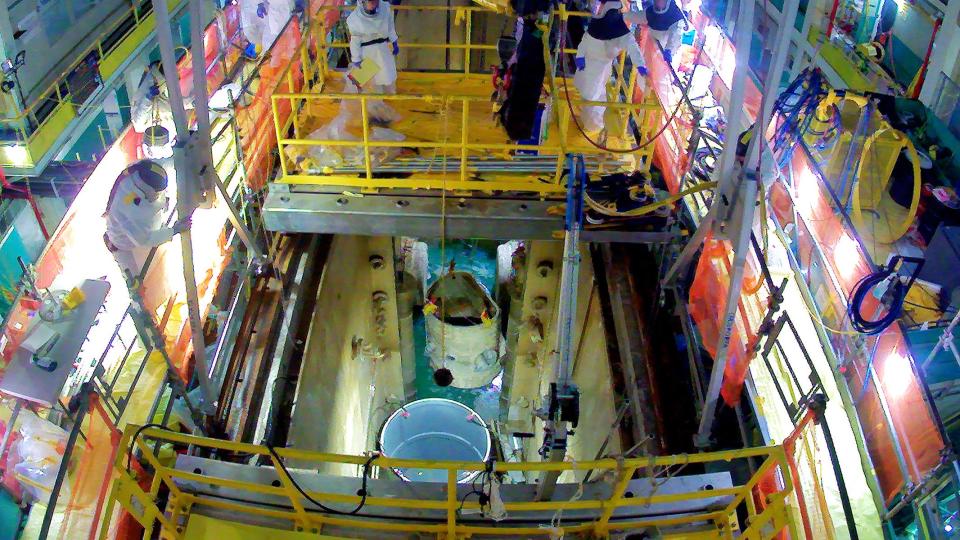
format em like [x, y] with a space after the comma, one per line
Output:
[366, 28]
[135, 224]
[263, 31]
[669, 38]
[146, 111]
[598, 55]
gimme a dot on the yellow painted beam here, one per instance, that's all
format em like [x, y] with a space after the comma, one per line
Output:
[205, 528]
[43, 138]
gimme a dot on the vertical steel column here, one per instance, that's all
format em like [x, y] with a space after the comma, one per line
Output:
[185, 203]
[556, 429]
[750, 177]
[745, 196]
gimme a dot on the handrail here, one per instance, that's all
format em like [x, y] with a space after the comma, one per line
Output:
[26, 124]
[560, 140]
[143, 508]
[557, 148]
[97, 44]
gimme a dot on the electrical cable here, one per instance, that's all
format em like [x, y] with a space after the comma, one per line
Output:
[136, 435]
[363, 488]
[893, 298]
[655, 136]
[648, 208]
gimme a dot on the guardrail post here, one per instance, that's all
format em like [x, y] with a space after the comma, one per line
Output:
[464, 140]
[466, 51]
[451, 504]
[292, 494]
[276, 125]
[366, 139]
[610, 505]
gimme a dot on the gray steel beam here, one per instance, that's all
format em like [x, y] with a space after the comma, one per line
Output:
[417, 215]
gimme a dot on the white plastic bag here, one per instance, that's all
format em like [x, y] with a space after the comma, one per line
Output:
[322, 158]
[40, 449]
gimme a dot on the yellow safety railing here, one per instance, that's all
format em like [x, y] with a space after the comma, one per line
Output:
[26, 137]
[772, 517]
[452, 150]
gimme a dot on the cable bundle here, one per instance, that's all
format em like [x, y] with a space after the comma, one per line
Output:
[893, 298]
[797, 105]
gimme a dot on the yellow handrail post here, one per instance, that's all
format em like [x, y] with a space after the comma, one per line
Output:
[464, 139]
[292, 494]
[366, 138]
[563, 132]
[321, 50]
[788, 487]
[307, 66]
[621, 65]
[159, 470]
[466, 52]
[451, 504]
[293, 103]
[610, 505]
[280, 139]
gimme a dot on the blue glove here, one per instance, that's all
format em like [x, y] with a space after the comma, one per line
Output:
[580, 62]
[262, 9]
[153, 91]
[250, 51]
[298, 6]
[642, 70]
[396, 48]
[356, 64]
[668, 56]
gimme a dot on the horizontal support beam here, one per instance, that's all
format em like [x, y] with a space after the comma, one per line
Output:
[419, 215]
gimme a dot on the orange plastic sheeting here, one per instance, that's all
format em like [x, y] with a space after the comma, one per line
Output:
[670, 154]
[708, 295]
[76, 252]
[258, 133]
[232, 36]
[920, 442]
[900, 392]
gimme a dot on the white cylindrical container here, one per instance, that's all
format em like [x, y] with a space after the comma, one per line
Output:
[463, 330]
[435, 429]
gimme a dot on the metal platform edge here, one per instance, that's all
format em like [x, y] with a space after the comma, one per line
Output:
[416, 214]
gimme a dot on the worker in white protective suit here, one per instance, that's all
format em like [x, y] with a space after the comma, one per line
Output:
[136, 214]
[263, 21]
[606, 37]
[666, 22]
[151, 102]
[373, 36]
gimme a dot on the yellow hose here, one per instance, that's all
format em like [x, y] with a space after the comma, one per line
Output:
[646, 209]
[895, 232]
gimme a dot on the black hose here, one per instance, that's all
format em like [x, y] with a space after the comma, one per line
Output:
[895, 296]
[362, 492]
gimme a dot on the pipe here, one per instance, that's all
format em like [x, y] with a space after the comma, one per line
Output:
[833, 16]
[922, 74]
[750, 185]
[185, 201]
[199, 65]
[64, 465]
[169, 62]
[841, 485]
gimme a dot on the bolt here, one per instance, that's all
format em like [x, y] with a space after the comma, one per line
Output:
[376, 262]
[539, 303]
[544, 268]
